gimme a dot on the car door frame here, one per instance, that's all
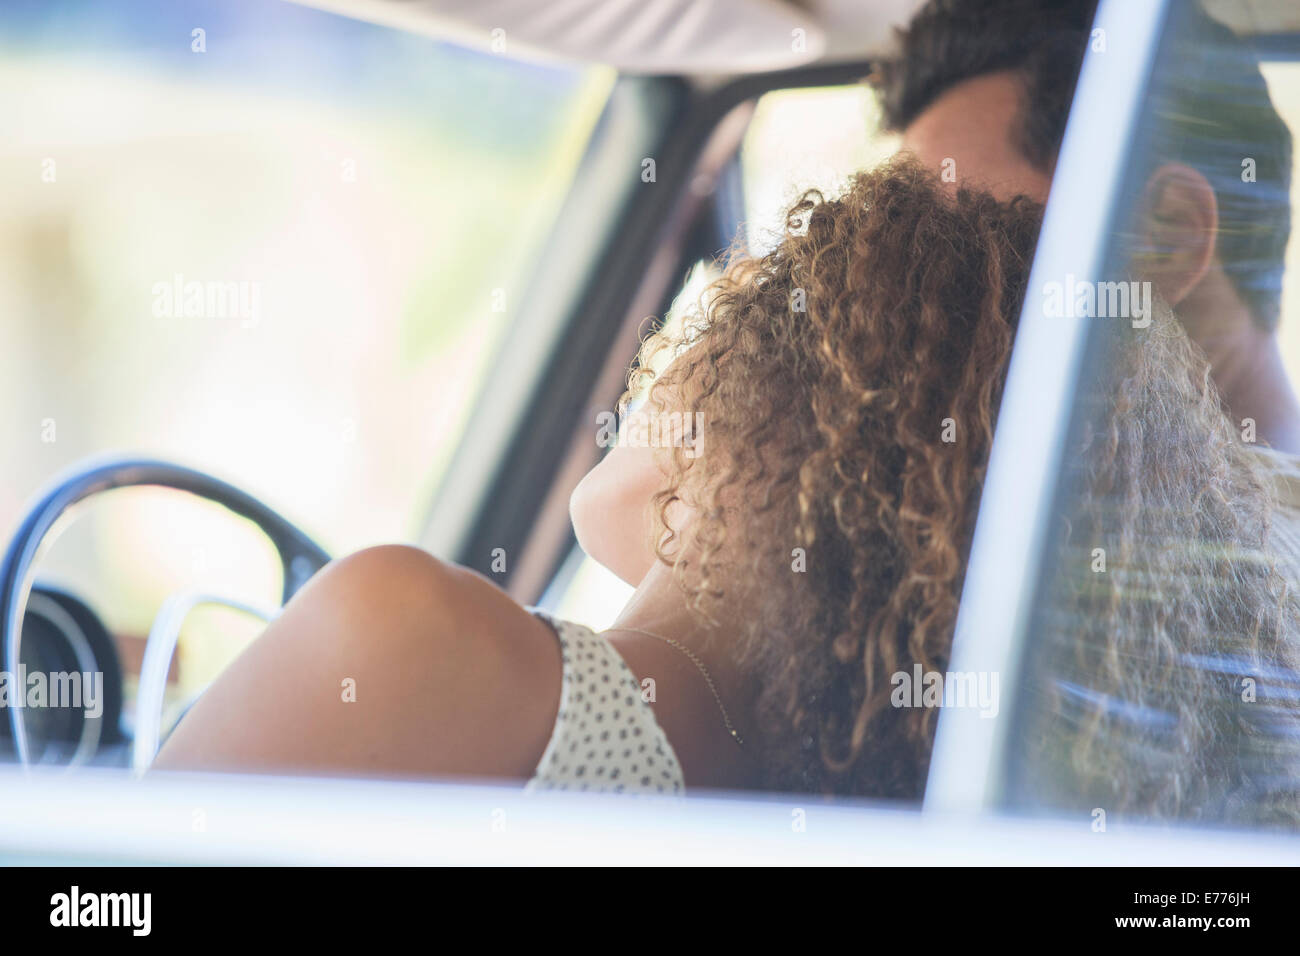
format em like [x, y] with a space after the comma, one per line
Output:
[502, 483]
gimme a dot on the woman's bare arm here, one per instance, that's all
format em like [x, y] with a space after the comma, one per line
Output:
[450, 677]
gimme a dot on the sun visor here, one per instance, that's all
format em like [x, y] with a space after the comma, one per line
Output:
[705, 37]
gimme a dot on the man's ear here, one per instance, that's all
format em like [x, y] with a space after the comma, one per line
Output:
[1178, 231]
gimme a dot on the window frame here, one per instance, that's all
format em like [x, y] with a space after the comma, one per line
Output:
[521, 386]
[969, 768]
[504, 489]
[114, 819]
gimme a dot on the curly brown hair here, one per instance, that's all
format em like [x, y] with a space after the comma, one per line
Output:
[1167, 685]
[847, 384]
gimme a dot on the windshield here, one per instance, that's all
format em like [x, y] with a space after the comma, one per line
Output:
[268, 242]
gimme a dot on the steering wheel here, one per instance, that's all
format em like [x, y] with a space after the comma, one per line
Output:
[300, 557]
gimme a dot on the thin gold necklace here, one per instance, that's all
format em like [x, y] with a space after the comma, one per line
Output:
[704, 672]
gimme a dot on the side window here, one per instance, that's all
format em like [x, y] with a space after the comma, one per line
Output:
[1163, 660]
[798, 139]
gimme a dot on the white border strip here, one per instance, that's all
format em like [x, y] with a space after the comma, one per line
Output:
[967, 769]
[107, 817]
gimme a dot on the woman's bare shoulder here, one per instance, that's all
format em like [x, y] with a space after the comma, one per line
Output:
[390, 661]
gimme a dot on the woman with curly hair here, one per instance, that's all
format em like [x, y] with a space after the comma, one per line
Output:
[797, 537]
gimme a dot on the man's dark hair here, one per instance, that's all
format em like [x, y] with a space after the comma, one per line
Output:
[1208, 107]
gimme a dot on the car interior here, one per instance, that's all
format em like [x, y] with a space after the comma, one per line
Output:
[327, 273]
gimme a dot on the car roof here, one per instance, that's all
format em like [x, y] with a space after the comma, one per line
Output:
[700, 38]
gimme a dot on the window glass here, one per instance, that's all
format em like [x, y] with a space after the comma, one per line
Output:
[805, 139]
[1161, 680]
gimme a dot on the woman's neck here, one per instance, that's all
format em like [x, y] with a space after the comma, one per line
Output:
[687, 709]
[659, 606]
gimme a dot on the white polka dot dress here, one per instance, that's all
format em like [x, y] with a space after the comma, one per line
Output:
[606, 738]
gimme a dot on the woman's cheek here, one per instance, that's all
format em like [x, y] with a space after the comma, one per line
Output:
[611, 514]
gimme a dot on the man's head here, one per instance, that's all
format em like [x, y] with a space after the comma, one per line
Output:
[987, 84]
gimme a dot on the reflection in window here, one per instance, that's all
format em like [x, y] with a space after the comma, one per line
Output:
[1163, 677]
